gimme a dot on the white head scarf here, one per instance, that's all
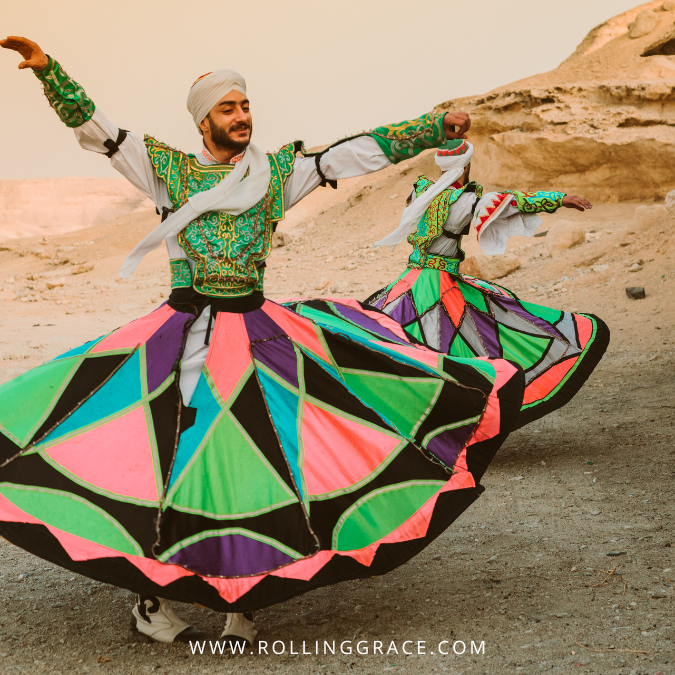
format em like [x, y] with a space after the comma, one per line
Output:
[452, 163]
[209, 89]
[237, 193]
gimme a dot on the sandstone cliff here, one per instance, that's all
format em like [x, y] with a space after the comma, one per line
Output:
[601, 124]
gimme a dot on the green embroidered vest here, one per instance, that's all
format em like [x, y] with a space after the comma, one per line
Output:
[224, 248]
[431, 225]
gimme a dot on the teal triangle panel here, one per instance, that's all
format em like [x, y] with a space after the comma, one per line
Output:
[283, 407]
[207, 411]
[120, 391]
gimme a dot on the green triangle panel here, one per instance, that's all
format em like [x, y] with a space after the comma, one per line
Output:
[380, 513]
[415, 330]
[229, 477]
[459, 347]
[29, 398]
[426, 290]
[402, 402]
[524, 349]
[72, 514]
[473, 296]
[546, 313]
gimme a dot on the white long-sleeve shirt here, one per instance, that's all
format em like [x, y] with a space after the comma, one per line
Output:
[353, 158]
[357, 157]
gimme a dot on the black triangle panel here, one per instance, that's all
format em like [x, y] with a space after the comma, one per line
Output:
[90, 375]
[322, 386]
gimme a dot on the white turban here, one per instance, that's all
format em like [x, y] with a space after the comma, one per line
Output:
[244, 187]
[452, 163]
[209, 89]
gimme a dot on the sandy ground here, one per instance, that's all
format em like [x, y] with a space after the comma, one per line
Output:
[564, 565]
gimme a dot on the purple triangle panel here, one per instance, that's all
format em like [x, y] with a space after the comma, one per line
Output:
[511, 305]
[260, 326]
[404, 312]
[163, 348]
[487, 329]
[366, 323]
[279, 356]
[449, 443]
[447, 330]
[229, 556]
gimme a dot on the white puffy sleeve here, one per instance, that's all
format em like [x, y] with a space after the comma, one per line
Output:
[130, 159]
[497, 218]
[357, 157]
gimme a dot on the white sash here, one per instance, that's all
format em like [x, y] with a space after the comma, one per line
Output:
[234, 195]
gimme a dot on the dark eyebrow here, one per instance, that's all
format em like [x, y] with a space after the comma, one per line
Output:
[226, 103]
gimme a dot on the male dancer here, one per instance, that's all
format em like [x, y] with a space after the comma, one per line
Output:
[216, 227]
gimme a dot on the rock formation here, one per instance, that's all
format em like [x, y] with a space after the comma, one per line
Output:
[602, 124]
[563, 235]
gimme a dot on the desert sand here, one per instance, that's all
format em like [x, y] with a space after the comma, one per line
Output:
[564, 565]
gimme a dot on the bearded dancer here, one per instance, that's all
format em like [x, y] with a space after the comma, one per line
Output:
[468, 317]
[223, 450]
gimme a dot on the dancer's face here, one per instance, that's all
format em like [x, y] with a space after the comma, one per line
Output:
[229, 124]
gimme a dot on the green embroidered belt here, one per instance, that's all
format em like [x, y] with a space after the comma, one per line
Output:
[438, 262]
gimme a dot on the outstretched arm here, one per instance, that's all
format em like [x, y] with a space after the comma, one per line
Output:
[372, 151]
[550, 202]
[93, 130]
[501, 215]
[407, 139]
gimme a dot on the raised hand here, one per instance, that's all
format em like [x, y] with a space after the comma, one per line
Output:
[33, 56]
[461, 120]
[578, 203]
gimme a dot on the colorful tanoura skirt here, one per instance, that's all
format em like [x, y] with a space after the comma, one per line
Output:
[468, 317]
[311, 452]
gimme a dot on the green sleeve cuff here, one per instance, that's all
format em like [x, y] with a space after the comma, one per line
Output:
[65, 96]
[536, 202]
[407, 139]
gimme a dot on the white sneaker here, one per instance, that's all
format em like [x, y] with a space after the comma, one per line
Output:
[239, 632]
[154, 618]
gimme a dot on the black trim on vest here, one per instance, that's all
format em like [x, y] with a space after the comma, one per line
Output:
[114, 146]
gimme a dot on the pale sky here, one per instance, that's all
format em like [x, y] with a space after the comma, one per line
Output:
[315, 71]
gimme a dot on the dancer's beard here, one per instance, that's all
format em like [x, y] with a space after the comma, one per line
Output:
[222, 136]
